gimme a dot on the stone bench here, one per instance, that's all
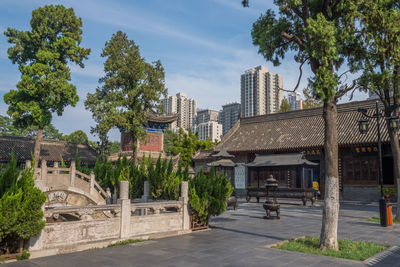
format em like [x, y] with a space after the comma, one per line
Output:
[300, 193]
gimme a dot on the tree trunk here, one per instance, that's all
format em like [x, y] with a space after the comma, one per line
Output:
[331, 208]
[38, 141]
[21, 245]
[134, 149]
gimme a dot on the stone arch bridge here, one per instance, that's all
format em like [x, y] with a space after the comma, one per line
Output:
[68, 186]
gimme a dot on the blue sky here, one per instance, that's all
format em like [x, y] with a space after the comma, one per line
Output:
[204, 46]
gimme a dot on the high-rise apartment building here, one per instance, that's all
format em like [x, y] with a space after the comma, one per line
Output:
[229, 115]
[260, 92]
[209, 130]
[295, 101]
[184, 107]
[206, 115]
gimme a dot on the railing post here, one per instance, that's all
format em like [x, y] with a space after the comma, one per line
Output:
[72, 173]
[108, 196]
[146, 191]
[44, 170]
[185, 199]
[91, 191]
[125, 209]
[56, 167]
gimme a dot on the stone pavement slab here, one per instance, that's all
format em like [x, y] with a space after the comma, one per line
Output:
[240, 238]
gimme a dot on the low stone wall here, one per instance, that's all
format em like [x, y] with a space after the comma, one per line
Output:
[361, 193]
[100, 225]
[146, 225]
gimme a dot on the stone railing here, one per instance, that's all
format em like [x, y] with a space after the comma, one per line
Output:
[72, 228]
[55, 214]
[55, 178]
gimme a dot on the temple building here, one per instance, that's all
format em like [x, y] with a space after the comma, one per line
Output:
[289, 146]
[154, 142]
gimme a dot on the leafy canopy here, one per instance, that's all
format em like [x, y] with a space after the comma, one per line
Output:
[42, 55]
[185, 144]
[21, 215]
[129, 88]
[376, 51]
[8, 128]
[316, 32]
[78, 136]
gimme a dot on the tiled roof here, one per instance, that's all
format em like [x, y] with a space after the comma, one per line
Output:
[161, 118]
[296, 130]
[223, 154]
[204, 155]
[50, 150]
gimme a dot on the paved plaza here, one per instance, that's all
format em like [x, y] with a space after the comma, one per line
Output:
[240, 238]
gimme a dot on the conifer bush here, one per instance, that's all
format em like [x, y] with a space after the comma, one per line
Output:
[21, 215]
[208, 194]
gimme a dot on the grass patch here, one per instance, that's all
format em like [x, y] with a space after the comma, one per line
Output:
[126, 242]
[352, 250]
[378, 220]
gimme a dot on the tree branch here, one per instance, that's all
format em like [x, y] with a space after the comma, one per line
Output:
[293, 37]
[299, 79]
[346, 89]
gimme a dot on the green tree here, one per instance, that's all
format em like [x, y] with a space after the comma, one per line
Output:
[77, 159]
[376, 53]
[129, 88]
[114, 147]
[185, 144]
[8, 128]
[316, 32]
[78, 136]
[42, 55]
[309, 100]
[21, 215]
[208, 195]
[285, 107]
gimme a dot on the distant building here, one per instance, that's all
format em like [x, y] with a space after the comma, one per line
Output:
[206, 115]
[209, 130]
[295, 101]
[229, 115]
[184, 107]
[260, 92]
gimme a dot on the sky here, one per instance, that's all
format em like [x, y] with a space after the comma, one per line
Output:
[204, 46]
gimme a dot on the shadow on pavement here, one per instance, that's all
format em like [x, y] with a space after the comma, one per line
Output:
[248, 233]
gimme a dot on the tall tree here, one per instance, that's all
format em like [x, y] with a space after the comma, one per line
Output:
[317, 32]
[376, 53]
[285, 107]
[129, 88]
[42, 55]
[78, 136]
